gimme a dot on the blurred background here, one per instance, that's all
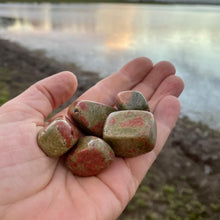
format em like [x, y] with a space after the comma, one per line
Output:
[94, 39]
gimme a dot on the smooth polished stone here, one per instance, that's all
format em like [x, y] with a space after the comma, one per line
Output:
[131, 100]
[58, 137]
[90, 116]
[130, 132]
[90, 157]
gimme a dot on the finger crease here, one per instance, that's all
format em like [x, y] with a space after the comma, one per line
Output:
[134, 179]
[46, 93]
[117, 197]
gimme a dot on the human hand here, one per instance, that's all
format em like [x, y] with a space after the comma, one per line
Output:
[34, 186]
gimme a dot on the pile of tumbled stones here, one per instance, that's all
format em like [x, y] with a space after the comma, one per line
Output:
[95, 133]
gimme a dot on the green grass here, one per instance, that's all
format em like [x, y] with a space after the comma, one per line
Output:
[4, 88]
[9, 87]
[4, 93]
[166, 202]
[215, 206]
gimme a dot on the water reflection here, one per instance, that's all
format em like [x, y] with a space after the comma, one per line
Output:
[22, 23]
[120, 27]
[6, 21]
[102, 37]
[116, 31]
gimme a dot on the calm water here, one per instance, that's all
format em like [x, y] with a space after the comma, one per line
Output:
[102, 37]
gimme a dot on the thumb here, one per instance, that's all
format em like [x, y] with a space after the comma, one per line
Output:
[48, 94]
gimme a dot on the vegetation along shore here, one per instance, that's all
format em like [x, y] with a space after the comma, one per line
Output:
[183, 183]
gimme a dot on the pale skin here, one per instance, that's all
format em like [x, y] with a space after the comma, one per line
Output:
[34, 186]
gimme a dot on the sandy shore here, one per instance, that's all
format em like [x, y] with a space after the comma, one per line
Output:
[184, 181]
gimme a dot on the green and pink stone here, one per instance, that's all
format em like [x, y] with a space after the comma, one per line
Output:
[58, 137]
[90, 116]
[131, 100]
[130, 132]
[90, 157]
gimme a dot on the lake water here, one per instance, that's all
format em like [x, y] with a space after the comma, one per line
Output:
[102, 37]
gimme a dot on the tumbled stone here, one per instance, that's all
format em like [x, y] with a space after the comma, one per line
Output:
[130, 132]
[58, 137]
[90, 157]
[90, 116]
[131, 100]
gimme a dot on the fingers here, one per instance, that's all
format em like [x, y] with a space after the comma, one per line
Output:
[131, 74]
[105, 91]
[166, 115]
[46, 95]
[136, 75]
[154, 83]
[151, 82]
[172, 85]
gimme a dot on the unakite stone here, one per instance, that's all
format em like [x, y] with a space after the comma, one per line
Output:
[91, 156]
[58, 137]
[131, 100]
[130, 132]
[90, 116]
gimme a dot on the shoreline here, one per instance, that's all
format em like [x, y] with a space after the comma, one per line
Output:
[188, 163]
[20, 68]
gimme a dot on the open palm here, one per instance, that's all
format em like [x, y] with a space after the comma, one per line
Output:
[33, 186]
